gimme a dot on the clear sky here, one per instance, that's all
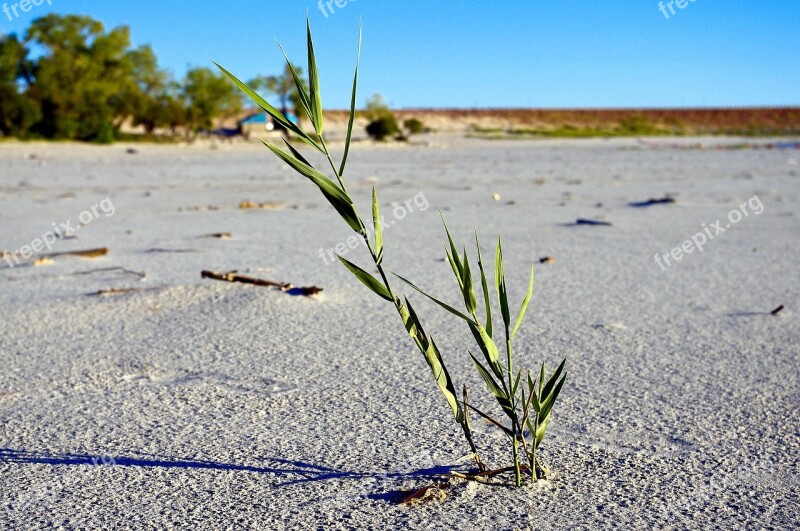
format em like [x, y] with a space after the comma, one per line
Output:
[489, 53]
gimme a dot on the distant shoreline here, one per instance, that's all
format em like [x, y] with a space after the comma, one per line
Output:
[589, 123]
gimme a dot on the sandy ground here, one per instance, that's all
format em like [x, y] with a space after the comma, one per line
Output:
[197, 404]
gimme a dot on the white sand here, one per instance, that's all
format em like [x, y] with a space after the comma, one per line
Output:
[237, 407]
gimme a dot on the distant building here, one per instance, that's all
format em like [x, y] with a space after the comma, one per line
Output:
[260, 122]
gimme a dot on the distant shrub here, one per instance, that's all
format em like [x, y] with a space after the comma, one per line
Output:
[383, 127]
[638, 124]
[414, 126]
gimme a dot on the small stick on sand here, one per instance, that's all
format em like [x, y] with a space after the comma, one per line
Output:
[88, 253]
[777, 310]
[140, 274]
[666, 200]
[593, 222]
[112, 291]
[44, 259]
[286, 287]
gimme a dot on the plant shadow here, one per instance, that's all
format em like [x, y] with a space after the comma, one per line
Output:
[295, 472]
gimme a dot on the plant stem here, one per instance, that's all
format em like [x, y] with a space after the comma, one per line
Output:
[333, 166]
[373, 252]
[517, 472]
[533, 448]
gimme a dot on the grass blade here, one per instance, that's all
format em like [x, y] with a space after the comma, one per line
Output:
[541, 430]
[494, 365]
[456, 268]
[486, 343]
[468, 291]
[500, 283]
[545, 394]
[532, 390]
[432, 356]
[541, 380]
[440, 303]
[352, 120]
[516, 383]
[368, 280]
[335, 196]
[524, 304]
[434, 359]
[299, 156]
[453, 251]
[376, 222]
[315, 101]
[298, 82]
[487, 377]
[269, 109]
[547, 405]
[485, 287]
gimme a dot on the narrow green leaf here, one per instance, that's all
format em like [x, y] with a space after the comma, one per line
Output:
[526, 409]
[495, 365]
[335, 196]
[469, 293]
[500, 283]
[547, 404]
[485, 287]
[487, 344]
[405, 315]
[440, 303]
[299, 156]
[277, 115]
[298, 83]
[352, 120]
[532, 391]
[516, 383]
[551, 382]
[313, 84]
[541, 380]
[524, 304]
[367, 279]
[453, 250]
[419, 332]
[530, 423]
[376, 222]
[456, 268]
[436, 363]
[541, 430]
[487, 377]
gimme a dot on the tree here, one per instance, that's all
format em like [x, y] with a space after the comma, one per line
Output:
[284, 87]
[377, 107]
[17, 112]
[208, 95]
[382, 121]
[79, 77]
[153, 94]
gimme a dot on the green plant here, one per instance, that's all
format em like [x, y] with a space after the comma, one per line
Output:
[529, 410]
[414, 126]
[382, 127]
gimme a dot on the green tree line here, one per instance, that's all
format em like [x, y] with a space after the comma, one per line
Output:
[83, 83]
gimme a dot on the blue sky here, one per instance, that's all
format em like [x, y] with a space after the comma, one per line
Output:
[490, 53]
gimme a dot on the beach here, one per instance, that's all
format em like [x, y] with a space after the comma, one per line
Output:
[136, 394]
